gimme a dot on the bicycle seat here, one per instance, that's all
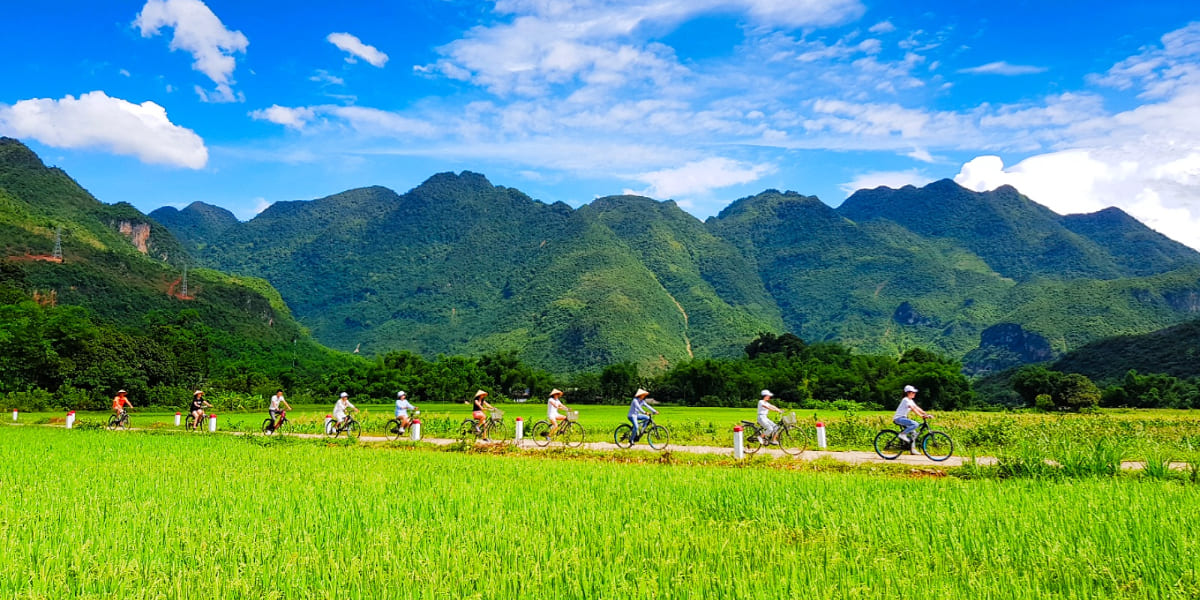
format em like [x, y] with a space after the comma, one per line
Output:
[748, 423]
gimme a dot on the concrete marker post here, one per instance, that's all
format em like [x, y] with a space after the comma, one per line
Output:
[739, 450]
[328, 418]
[212, 423]
[14, 415]
[177, 419]
[416, 430]
[71, 420]
[520, 431]
[820, 435]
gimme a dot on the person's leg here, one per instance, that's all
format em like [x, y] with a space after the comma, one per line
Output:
[768, 427]
[909, 426]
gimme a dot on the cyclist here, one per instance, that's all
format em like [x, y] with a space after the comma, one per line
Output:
[901, 418]
[765, 408]
[402, 408]
[553, 406]
[639, 412]
[273, 409]
[120, 402]
[339, 409]
[478, 406]
[197, 408]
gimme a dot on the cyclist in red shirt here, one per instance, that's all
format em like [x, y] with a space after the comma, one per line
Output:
[120, 402]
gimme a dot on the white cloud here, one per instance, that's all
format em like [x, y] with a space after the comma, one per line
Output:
[921, 154]
[95, 120]
[356, 48]
[882, 27]
[700, 177]
[325, 77]
[891, 179]
[294, 118]
[125, 73]
[197, 31]
[1159, 70]
[1003, 68]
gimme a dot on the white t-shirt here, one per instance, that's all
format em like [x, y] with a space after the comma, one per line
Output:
[906, 404]
[763, 411]
[402, 407]
[339, 408]
[275, 400]
[552, 407]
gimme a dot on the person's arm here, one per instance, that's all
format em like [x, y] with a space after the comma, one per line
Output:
[917, 409]
[774, 408]
[285, 403]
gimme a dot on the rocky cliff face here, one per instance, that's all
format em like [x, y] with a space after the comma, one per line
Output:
[137, 233]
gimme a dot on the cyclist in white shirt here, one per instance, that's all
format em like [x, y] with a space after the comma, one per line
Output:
[639, 412]
[901, 417]
[339, 408]
[553, 405]
[273, 409]
[402, 408]
[765, 408]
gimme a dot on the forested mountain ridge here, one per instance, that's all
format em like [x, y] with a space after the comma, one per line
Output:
[112, 311]
[458, 265]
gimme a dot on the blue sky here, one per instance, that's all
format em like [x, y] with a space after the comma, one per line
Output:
[240, 104]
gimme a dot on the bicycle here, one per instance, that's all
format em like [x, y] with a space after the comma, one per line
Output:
[788, 435]
[934, 444]
[119, 421]
[656, 435]
[271, 426]
[571, 432]
[194, 424]
[395, 428]
[350, 427]
[493, 429]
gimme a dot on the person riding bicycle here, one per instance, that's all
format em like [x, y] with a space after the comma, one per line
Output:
[901, 417]
[402, 408]
[553, 405]
[339, 409]
[120, 402]
[478, 406]
[765, 408]
[639, 412]
[273, 409]
[197, 407]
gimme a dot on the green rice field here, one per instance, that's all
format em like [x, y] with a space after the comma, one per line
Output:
[96, 514]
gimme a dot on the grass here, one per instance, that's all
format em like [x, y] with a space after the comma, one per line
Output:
[88, 514]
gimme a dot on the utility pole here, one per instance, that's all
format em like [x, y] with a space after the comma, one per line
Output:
[58, 243]
[183, 291]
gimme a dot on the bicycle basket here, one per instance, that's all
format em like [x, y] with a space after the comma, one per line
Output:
[572, 415]
[790, 418]
[497, 414]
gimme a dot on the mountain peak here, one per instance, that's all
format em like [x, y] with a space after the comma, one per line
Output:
[16, 154]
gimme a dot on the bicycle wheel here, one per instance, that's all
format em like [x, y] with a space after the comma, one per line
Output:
[658, 437]
[497, 432]
[268, 426]
[790, 440]
[282, 427]
[540, 432]
[190, 423]
[937, 446]
[353, 429]
[393, 430]
[573, 435]
[331, 428]
[623, 436]
[888, 444]
[113, 421]
[752, 442]
[466, 431]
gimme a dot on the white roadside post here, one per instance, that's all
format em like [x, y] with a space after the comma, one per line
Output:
[820, 434]
[14, 415]
[520, 431]
[177, 419]
[71, 420]
[739, 451]
[328, 418]
[212, 423]
[416, 430]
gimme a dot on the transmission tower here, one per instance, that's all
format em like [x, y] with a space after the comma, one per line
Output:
[183, 290]
[58, 243]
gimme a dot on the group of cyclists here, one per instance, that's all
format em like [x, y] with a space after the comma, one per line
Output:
[638, 415]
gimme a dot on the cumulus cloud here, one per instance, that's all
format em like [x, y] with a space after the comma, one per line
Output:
[357, 49]
[1159, 70]
[198, 31]
[882, 27]
[294, 118]
[95, 120]
[367, 121]
[1003, 68]
[700, 177]
[891, 179]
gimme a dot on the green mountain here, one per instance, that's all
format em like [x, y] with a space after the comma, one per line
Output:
[1172, 351]
[196, 223]
[458, 265]
[112, 311]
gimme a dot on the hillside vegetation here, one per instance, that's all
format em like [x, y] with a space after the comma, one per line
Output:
[458, 265]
